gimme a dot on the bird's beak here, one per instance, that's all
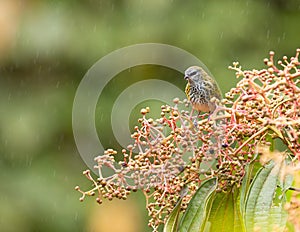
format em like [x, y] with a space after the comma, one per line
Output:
[186, 77]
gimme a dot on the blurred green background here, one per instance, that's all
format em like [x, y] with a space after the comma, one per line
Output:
[46, 47]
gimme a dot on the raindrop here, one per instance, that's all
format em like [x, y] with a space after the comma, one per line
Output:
[268, 34]
[76, 216]
[29, 161]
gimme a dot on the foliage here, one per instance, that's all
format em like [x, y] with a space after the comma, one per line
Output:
[222, 149]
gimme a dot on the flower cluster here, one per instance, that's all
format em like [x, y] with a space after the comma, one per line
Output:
[172, 155]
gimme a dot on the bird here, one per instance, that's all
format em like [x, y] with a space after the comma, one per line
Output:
[200, 89]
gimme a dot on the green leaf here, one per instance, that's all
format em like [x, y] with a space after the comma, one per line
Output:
[286, 180]
[194, 218]
[245, 187]
[172, 221]
[278, 216]
[261, 212]
[225, 213]
[250, 170]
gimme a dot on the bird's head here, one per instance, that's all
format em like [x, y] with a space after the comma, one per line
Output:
[193, 74]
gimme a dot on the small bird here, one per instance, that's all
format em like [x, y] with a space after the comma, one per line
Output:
[200, 89]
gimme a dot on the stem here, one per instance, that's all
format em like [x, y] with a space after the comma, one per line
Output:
[273, 111]
[248, 140]
[294, 189]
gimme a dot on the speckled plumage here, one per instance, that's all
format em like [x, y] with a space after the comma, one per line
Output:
[200, 89]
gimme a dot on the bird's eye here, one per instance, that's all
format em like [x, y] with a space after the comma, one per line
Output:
[193, 73]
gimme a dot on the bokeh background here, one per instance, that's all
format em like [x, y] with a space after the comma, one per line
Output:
[46, 47]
